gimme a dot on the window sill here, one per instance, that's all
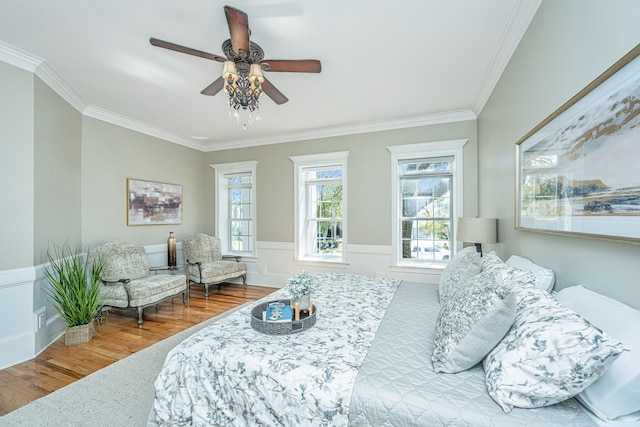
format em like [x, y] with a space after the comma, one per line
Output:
[232, 256]
[321, 262]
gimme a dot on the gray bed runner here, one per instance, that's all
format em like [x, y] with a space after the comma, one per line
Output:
[396, 385]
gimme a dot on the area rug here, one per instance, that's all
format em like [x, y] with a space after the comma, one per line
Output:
[119, 395]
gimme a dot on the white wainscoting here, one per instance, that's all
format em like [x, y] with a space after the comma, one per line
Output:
[274, 264]
[17, 325]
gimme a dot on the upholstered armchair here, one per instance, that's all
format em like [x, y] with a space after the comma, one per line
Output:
[205, 264]
[127, 282]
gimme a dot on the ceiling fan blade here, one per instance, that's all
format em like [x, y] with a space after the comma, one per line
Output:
[187, 50]
[273, 92]
[214, 87]
[292, 65]
[238, 28]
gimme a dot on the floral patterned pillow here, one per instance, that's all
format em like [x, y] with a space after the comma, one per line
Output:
[549, 355]
[506, 274]
[464, 265]
[471, 323]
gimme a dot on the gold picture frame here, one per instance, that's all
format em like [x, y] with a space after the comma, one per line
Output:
[577, 171]
[153, 203]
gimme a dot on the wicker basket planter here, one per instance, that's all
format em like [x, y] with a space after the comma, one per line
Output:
[79, 334]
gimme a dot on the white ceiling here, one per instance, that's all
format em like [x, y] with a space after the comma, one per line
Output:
[385, 64]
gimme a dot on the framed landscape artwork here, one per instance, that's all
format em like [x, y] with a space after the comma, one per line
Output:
[578, 171]
[153, 203]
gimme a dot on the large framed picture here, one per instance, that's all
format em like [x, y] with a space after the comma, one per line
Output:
[578, 172]
[153, 203]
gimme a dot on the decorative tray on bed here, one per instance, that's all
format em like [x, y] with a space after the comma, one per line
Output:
[281, 327]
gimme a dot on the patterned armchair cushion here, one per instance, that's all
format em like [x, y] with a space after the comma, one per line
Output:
[549, 355]
[213, 272]
[202, 248]
[153, 288]
[471, 322]
[123, 261]
[464, 265]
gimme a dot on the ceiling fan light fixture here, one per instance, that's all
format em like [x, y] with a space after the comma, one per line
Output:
[255, 73]
[242, 77]
[229, 70]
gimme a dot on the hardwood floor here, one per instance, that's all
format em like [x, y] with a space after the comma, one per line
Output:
[117, 337]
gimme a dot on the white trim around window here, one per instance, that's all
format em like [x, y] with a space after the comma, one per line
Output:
[419, 151]
[300, 164]
[222, 171]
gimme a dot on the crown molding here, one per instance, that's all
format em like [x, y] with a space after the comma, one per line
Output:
[356, 128]
[55, 81]
[138, 126]
[18, 57]
[522, 15]
[45, 71]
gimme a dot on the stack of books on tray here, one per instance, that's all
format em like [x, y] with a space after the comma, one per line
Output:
[278, 312]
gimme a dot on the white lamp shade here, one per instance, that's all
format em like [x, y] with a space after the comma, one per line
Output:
[255, 73]
[477, 230]
[229, 70]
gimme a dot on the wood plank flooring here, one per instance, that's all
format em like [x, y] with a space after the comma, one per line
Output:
[118, 336]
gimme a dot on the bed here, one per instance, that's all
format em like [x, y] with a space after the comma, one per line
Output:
[366, 362]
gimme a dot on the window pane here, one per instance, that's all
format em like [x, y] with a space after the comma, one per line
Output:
[240, 203]
[426, 196]
[407, 227]
[442, 207]
[240, 235]
[409, 207]
[322, 173]
[328, 238]
[239, 179]
[419, 166]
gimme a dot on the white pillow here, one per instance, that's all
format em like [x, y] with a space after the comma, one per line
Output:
[550, 354]
[544, 276]
[505, 274]
[617, 393]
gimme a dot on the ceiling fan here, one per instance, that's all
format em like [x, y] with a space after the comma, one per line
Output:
[243, 53]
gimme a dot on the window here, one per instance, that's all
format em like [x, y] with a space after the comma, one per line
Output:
[320, 206]
[236, 207]
[427, 198]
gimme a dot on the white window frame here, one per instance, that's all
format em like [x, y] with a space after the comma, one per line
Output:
[300, 163]
[222, 204]
[451, 148]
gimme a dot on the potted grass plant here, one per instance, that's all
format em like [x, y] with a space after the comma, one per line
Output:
[75, 289]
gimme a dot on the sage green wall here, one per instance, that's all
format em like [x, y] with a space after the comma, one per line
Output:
[568, 44]
[58, 142]
[110, 155]
[16, 166]
[369, 180]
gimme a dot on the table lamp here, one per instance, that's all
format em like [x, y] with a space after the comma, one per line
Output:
[477, 230]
